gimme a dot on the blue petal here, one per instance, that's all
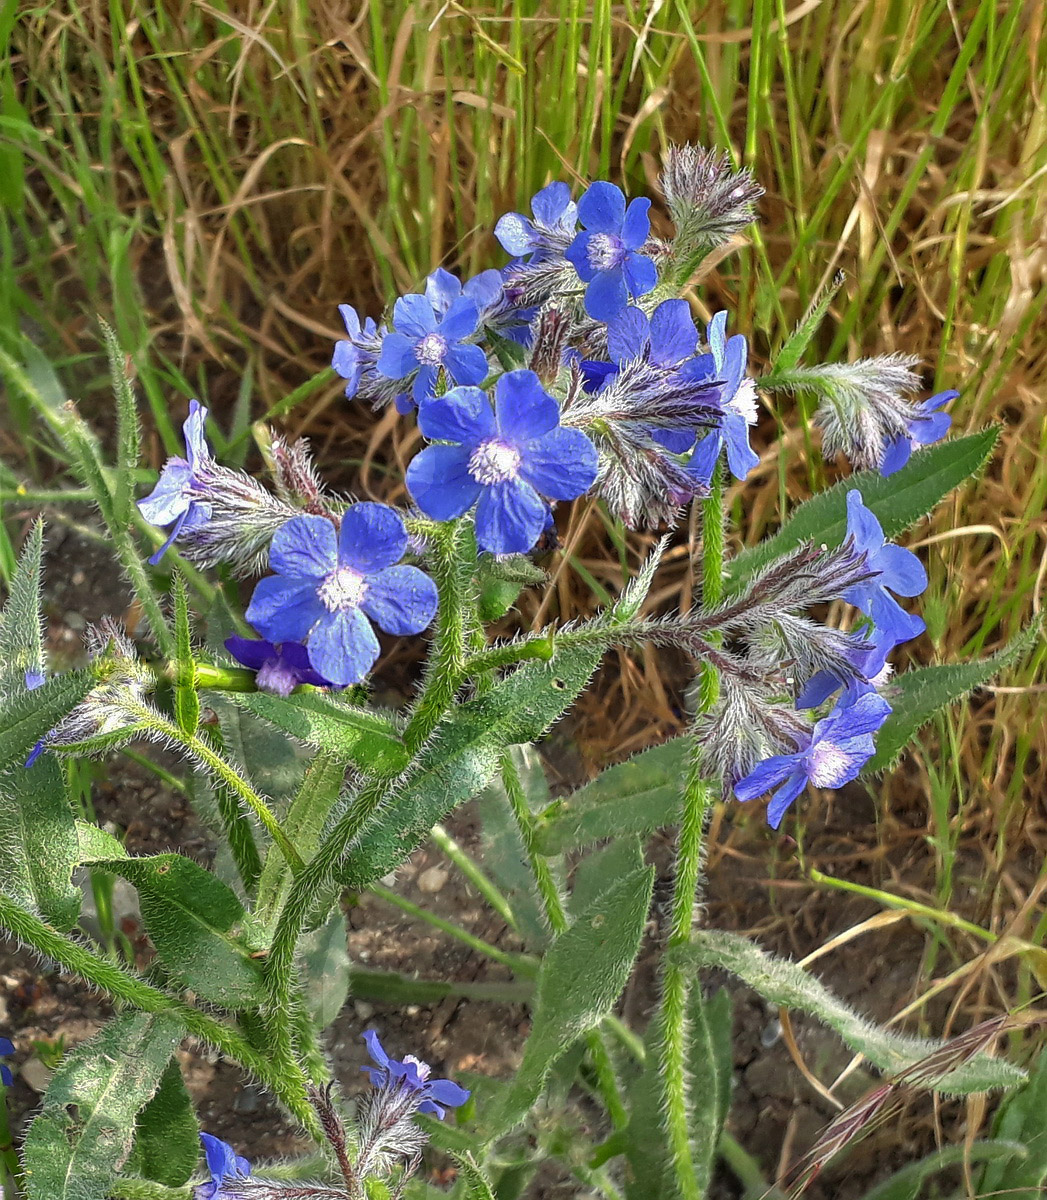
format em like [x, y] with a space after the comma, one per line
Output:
[250, 652]
[447, 1092]
[673, 335]
[676, 441]
[865, 716]
[196, 447]
[862, 525]
[900, 569]
[372, 537]
[466, 363]
[6, 1078]
[351, 318]
[424, 384]
[509, 518]
[577, 253]
[629, 335]
[460, 320]
[413, 315]
[440, 484]
[735, 360]
[768, 774]
[175, 530]
[892, 620]
[397, 357]
[432, 1109]
[462, 415]
[343, 646]
[716, 335]
[636, 226]
[741, 458]
[484, 290]
[516, 234]
[221, 1159]
[783, 797]
[283, 610]
[930, 428]
[400, 600]
[442, 289]
[374, 1049]
[596, 374]
[305, 547]
[6, 1047]
[897, 454]
[168, 500]
[550, 204]
[560, 465]
[602, 208]
[706, 454]
[606, 295]
[818, 689]
[34, 754]
[640, 273]
[523, 409]
[348, 362]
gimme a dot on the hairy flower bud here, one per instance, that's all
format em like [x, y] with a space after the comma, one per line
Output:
[709, 200]
[297, 480]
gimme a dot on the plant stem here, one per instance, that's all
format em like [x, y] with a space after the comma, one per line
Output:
[474, 874]
[696, 800]
[119, 983]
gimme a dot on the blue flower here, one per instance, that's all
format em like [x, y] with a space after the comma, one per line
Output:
[929, 425]
[503, 461]
[171, 500]
[897, 569]
[606, 253]
[495, 308]
[327, 585]
[553, 227]
[357, 353]
[411, 1074]
[869, 659]
[424, 341]
[738, 401]
[840, 745]
[280, 668]
[6, 1047]
[666, 339]
[224, 1164]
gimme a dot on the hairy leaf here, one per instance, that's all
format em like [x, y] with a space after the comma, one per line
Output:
[475, 1184]
[167, 1139]
[83, 1134]
[785, 983]
[26, 717]
[917, 695]
[1022, 1118]
[323, 957]
[906, 1183]
[898, 501]
[21, 633]
[620, 858]
[582, 975]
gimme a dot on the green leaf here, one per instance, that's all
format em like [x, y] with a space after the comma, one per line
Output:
[95, 844]
[28, 716]
[792, 351]
[898, 501]
[83, 1133]
[474, 1182]
[918, 694]
[38, 841]
[355, 734]
[907, 1183]
[197, 925]
[127, 428]
[21, 630]
[782, 982]
[582, 975]
[167, 1138]
[323, 957]
[186, 697]
[622, 857]
[1022, 1118]
[639, 795]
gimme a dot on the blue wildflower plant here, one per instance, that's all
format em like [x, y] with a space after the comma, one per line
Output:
[329, 677]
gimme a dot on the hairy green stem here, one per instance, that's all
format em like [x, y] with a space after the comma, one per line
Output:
[689, 852]
[474, 874]
[511, 653]
[119, 983]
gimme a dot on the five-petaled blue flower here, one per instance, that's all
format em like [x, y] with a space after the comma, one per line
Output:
[6, 1047]
[353, 355]
[554, 224]
[328, 584]
[666, 339]
[841, 744]
[279, 668]
[413, 1075]
[606, 253]
[424, 341]
[224, 1164]
[896, 569]
[929, 425]
[503, 461]
[869, 659]
[737, 400]
[171, 499]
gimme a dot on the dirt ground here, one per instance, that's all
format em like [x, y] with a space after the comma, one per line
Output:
[754, 884]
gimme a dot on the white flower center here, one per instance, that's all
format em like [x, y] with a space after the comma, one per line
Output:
[423, 1068]
[431, 349]
[494, 462]
[605, 251]
[744, 401]
[342, 589]
[826, 763]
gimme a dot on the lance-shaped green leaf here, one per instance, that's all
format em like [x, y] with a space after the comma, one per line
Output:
[38, 842]
[782, 982]
[1022, 1118]
[582, 976]
[367, 739]
[917, 695]
[167, 1138]
[21, 633]
[475, 1185]
[623, 856]
[639, 795]
[323, 957]
[83, 1134]
[199, 927]
[26, 717]
[898, 501]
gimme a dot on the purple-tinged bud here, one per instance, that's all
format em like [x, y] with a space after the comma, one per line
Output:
[550, 329]
[297, 480]
[709, 200]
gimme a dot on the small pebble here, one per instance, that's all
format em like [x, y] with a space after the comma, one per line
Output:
[36, 1075]
[75, 620]
[432, 880]
[364, 1010]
